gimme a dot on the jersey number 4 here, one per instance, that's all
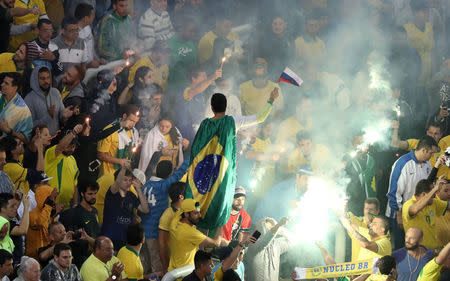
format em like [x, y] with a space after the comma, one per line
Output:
[151, 197]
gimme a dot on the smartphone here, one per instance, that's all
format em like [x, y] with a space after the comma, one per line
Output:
[93, 166]
[256, 234]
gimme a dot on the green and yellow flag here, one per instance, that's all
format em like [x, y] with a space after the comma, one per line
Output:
[211, 176]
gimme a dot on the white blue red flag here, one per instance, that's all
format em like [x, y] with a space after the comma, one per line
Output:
[290, 77]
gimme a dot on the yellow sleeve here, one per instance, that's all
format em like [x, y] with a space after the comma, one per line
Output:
[195, 237]
[384, 247]
[262, 115]
[431, 271]
[130, 266]
[185, 94]
[356, 220]
[105, 144]
[16, 172]
[205, 47]
[441, 207]
[164, 221]
[114, 259]
[50, 155]
[405, 210]
[218, 275]
[41, 6]
[412, 144]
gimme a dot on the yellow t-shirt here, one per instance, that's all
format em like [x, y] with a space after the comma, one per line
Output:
[7, 64]
[166, 218]
[360, 222]
[105, 183]
[442, 229]
[312, 50]
[383, 243]
[18, 175]
[254, 99]
[160, 74]
[425, 220]
[132, 263]
[110, 145]
[94, 269]
[218, 275]
[64, 171]
[423, 43]
[377, 277]
[289, 128]
[16, 40]
[430, 272]
[319, 157]
[412, 144]
[184, 242]
[206, 45]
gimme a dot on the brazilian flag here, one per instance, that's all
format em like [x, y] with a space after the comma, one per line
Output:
[211, 176]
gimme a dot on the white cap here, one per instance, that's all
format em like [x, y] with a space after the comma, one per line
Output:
[139, 175]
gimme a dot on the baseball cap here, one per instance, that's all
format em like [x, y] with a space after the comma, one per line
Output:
[35, 177]
[139, 175]
[305, 170]
[239, 191]
[189, 205]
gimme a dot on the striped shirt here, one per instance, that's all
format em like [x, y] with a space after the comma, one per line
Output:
[154, 27]
[69, 55]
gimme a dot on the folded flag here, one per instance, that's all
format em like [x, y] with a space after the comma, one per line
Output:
[290, 77]
[211, 176]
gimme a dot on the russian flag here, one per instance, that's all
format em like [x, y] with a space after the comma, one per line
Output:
[290, 77]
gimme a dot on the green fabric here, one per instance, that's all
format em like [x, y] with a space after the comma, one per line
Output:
[2, 102]
[114, 37]
[201, 173]
[59, 171]
[183, 56]
[7, 243]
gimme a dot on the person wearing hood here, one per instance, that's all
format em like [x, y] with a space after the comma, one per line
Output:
[103, 102]
[6, 242]
[40, 218]
[262, 260]
[45, 102]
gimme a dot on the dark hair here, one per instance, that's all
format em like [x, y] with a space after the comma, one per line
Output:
[386, 264]
[135, 234]
[194, 72]
[68, 21]
[52, 225]
[9, 143]
[434, 124]
[84, 185]
[130, 109]
[117, 1]
[2, 149]
[231, 275]
[81, 71]
[44, 69]
[4, 199]
[16, 78]
[5, 256]
[98, 242]
[128, 173]
[373, 201]
[423, 186]
[175, 190]
[163, 169]
[61, 247]
[43, 21]
[35, 128]
[219, 102]
[140, 73]
[173, 133]
[385, 223]
[426, 142]
[83, 10]
[201, 257]
[303, 135]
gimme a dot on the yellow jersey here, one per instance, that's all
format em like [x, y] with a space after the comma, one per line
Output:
[360, 222]
[425, 220]
[313, 50]
[166, 218]
[132, 263]
[110, 145]
[423, 43]
[184, 242]
[16, 40]
[7, 63]
[94, 269]
[289, 128]
[430, 272]
[254, 99]
[160, 74]
[319, 157]
[64, 171]
[206, 45]
[383, 243]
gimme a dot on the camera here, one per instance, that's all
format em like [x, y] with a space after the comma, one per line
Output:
[76, 235]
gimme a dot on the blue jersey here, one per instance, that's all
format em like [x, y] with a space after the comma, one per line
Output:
[155, 190]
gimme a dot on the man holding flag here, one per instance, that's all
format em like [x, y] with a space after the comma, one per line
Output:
[212, 169]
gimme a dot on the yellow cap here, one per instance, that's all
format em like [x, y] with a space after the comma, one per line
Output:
[189, 205]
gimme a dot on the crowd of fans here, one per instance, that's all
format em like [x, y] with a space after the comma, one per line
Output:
[101, 100]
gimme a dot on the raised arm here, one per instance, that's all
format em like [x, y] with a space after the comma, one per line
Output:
[415, 208]
[65, 141]
[116, 185]
[189, 95]
[395, 142]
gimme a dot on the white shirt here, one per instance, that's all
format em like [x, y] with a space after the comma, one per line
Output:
[86, 35]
